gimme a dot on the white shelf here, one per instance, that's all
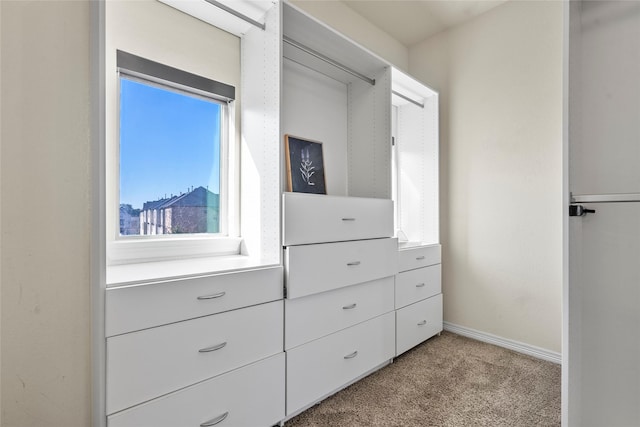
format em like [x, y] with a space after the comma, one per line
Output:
[349, 115]
[417, 149]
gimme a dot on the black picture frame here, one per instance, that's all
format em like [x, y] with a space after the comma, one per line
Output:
[305, 165]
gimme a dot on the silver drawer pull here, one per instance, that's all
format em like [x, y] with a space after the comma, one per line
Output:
[420, 285]
[349, 307]
[352, 355]
[218, 295]
[212, 348]
[216, 420]
[420, 258]
[348, 219]
[353, 263]
[424, 322]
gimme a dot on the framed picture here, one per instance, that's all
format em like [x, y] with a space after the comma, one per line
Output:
[305, 165]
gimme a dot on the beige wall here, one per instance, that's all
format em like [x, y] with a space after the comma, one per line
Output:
[500, 83]
[45, 219]
[343, 19]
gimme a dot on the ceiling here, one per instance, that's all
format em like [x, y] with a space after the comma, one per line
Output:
[411, 21]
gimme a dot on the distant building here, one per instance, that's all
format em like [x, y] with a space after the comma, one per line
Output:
[129, 220]
[194, 212]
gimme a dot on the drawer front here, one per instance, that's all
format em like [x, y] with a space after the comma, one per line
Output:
[318, 315]
[250, 396]
[146, 364]
[312, 269]
[134, 308]
[418, 257]
[415, 285]
[310, 218]
[417, 323]
[323, 366]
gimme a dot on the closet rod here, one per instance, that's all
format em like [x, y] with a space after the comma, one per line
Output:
[406, 98]
[237, 14]
[327, 60]
[605, 198]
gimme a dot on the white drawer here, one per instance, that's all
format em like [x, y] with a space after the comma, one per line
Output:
[418, 322]
[321, 367]
[146, 364]
[250, 396]
[321, 314]
[133, 308]
[417, 257]
[310, 218]
[418, 284]
[317, 268]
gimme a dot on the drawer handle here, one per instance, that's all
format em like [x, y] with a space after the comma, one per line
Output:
[216, 420]
[348, 219]
[352, 355]
[212, 348]
[420, 285]
[349, 307]
[353, 263]
[218, 295]
[420, 258]
[424, 322]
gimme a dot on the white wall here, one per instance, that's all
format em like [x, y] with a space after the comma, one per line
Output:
[45, 216]
[351, 24]
[500, 83]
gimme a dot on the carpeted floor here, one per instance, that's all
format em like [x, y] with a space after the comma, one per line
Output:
[449, 380]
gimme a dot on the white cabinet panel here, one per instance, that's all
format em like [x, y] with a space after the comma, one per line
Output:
[133, 308]
[418, 284]
[605, 346]
[605, 99]
[318, 218]
[418, 322]
[318, 315]
[250, 396]
[323, 366]
[146, 364]
[417, 257]
[317, 268]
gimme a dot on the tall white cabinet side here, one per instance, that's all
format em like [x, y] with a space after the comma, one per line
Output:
[418, 296]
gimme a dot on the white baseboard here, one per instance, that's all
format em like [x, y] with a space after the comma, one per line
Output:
[520, 347]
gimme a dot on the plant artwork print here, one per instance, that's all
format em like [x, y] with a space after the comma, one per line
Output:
[305, 165]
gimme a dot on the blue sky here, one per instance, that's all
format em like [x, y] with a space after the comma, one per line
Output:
[169, 142]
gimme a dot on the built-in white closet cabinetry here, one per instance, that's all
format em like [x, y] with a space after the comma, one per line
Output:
[327, 287]
[339, 319]
[418, 296]
[199, 341]
[172, 345]
[340, 254]
[418, 291]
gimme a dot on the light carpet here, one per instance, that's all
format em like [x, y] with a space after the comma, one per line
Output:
[448, 380]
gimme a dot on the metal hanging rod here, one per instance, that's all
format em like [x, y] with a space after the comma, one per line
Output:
[605, 198]
[327, 59]
[237, 14]
[406, 98]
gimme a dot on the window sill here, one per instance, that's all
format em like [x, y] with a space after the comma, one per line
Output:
[130, 274]
[413, 245]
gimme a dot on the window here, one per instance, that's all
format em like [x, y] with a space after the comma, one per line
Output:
[174, 141]
[170, 149]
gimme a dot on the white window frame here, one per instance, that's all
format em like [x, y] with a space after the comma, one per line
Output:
[146, 248]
